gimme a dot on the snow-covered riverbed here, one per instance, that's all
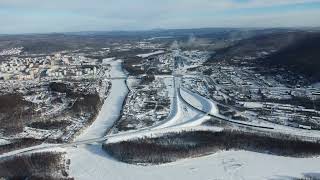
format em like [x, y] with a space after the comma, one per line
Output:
[109, 113]
[110, 110]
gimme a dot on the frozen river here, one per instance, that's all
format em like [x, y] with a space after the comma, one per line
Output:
[110, 110]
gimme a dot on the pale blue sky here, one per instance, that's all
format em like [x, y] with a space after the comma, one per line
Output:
[42, 16]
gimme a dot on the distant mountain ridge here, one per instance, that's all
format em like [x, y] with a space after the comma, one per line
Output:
[302, 56]
[298, 51]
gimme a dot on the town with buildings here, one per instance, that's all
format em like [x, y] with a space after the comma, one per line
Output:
[138, 102]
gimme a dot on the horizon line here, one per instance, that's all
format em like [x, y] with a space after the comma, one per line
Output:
[158, 29]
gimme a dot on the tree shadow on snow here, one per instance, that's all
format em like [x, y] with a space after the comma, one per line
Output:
[306, 176]
[97, 149]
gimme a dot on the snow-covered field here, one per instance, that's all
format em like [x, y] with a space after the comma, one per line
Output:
[316, 85]
[4, 142]
[150, 54]
[107, 60]
[199, 101]
[231, 165]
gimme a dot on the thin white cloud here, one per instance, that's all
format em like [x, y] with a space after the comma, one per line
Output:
[145, 4]
[78, 15]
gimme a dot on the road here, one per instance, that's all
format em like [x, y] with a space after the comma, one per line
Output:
[220, 117]
[183, 114]
[173, 123]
